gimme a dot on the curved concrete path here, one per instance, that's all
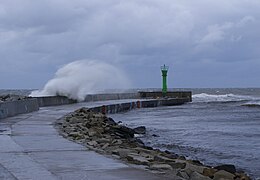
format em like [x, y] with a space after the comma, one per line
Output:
[31, 148]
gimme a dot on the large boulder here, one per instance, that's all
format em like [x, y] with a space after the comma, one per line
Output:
[109, 121]
[140, 130]
[209, 172]
[190, 168]
[223, 175]
[123, 153]
[197, 176]
[160, 167]
[137, 159]
[161, 158]
[177, 165]
[122, 132]
[227, 167]
[183, 175]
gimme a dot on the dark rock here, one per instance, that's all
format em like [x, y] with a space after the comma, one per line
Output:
[222, 174]
[209, 172]
[241, 176]
[191, 168]
[123, 153]
[183, 174]
[117, 142]
[182, 157]
[171, 155]
[137, 159]
[160, 167]
[82, 110]
[161, 158]
[105, 146]
[148, 147]
[227, 167]
[92, 143]
[140, 130]
[196, 162]
[197, 176]
[167, 152]
[122, 131]
[155, 135]
[110, 121]
[177, 165]
[140, 142]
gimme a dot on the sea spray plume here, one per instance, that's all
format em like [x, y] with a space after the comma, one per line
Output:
[82, 77]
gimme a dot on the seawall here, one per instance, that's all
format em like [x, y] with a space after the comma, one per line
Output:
[111, 96]
[170, 94]
[54, 101]
[12, 108]
[121, 107]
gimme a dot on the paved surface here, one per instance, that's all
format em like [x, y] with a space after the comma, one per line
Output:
[31, 148]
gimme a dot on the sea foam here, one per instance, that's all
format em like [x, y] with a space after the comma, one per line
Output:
[204, 97]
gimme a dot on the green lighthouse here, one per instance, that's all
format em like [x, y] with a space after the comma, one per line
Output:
[164, 70]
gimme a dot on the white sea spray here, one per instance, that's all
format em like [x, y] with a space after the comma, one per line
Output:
[79, 78]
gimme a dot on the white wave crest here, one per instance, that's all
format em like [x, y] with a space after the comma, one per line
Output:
[204, 97]
[252, 103]
[79, 78]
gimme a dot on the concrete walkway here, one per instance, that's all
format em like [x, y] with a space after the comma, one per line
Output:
[31, 148]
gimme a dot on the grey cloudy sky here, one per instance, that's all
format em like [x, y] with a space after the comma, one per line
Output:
[206, 43]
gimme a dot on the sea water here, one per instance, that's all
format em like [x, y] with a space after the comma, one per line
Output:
[220, 126]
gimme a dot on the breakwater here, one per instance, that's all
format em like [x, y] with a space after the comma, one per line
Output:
[30, 104]
[148, 103]
[170, 94]
[103, 135]
[12, 108]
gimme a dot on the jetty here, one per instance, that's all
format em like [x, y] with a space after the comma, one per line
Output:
[138, 100]
[31, 147]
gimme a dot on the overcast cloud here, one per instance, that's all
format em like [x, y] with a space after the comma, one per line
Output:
[206, 43]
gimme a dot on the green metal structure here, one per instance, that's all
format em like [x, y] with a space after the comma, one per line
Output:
[164, 70]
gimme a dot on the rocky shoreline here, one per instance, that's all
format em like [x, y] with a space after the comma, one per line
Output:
[103, 135]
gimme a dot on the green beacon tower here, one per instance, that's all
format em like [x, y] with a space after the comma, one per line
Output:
[164, 70]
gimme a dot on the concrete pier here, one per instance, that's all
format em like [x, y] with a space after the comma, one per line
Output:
[12, 108]
[32, 149]
[170, 94]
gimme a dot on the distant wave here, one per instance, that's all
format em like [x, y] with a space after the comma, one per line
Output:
[252, 104]
[204, 97]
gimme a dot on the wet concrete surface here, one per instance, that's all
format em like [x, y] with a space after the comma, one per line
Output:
[31, 148]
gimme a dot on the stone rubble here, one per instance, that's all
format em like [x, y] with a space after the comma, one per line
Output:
[102, 134]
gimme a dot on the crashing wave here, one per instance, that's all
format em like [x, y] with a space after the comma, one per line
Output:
[252, 104]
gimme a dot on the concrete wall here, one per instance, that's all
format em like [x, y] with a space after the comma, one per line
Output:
[12, 108]
[121, 107]
[114, 96]
[170, 94]
[54, 101]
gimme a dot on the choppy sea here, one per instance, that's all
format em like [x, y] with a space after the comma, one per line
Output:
[220, 126]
